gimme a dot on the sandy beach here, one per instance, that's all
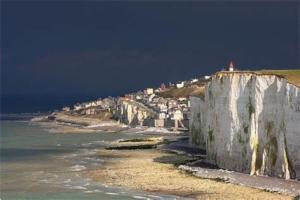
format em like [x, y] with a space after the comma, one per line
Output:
[138, 164]
[155, 171]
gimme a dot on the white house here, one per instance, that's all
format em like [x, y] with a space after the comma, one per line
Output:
[151, 97]
[87, 104]
[66, 109]
[163, 107]
[182, 99]
[194, 80]
[159, 123]
[77, 107]
[172, 103]
[180, 85]
[138, 97]
[98, 102]
[149, 91]
[162, 115]
[178, 115]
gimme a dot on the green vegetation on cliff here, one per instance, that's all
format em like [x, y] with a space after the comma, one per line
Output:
[182, 92]
[197, 89]
[293, 76]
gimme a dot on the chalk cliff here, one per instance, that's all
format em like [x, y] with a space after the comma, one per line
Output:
[134, 113]
[250, 123]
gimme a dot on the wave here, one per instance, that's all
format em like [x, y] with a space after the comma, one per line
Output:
[111, 193]
[77, 168]
[154, 196]
[140, 197]
[93, 191]
[20, 116]
[77, 187]
[67, 181]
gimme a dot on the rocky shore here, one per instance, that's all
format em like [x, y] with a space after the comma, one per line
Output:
[157, 161]
[155, 171]
[160, 170]
[61, 122]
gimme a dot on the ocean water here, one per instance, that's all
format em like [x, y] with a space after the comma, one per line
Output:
[39, 164]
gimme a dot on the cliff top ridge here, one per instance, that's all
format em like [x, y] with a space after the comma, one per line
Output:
[292, 76]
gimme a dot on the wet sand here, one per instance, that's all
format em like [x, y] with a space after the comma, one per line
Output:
[66, 123]
[150, 169]
[155, 171]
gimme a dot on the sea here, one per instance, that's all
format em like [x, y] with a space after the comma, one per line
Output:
[37, 163]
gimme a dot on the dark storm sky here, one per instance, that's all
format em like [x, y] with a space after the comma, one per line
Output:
[100, 48]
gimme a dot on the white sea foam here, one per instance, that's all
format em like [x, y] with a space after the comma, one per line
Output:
[71, 155]
[92, 191]
[105, 124]
[88, 151]
[154, 196]
[140, 197]
[45, 181]
[111, 193]
[157, 130]
[91, 159]
[67, 181]
[78, 187]
[77, 168]
[86, 144]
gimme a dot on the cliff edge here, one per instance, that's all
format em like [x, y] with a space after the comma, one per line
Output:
[249, 122]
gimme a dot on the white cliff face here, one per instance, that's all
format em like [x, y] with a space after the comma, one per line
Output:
[249, 123]
[197, 136]
[132, 113]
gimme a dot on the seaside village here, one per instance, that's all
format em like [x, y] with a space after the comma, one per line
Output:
[153, 107]
[167, 106]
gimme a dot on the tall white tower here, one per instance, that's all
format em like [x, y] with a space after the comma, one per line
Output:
[231, 67]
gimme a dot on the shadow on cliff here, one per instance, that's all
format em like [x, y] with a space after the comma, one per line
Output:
[272, 134]
[243, 134]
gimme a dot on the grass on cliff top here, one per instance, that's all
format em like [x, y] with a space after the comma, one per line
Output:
[187, 91]
[293, 76]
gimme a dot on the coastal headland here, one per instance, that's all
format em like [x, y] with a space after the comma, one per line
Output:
[160, 118]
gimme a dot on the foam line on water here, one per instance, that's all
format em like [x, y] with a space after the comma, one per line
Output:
[111, 193]
[140, 197]
[77, 187]
[77, 168]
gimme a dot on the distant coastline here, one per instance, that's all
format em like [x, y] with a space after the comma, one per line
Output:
[14, 104]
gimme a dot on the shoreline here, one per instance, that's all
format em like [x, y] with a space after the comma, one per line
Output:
[156, 171]
[140, 165]
[68, 123]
